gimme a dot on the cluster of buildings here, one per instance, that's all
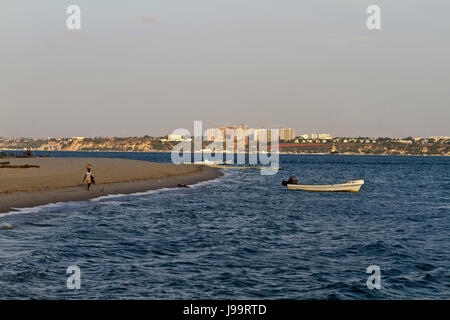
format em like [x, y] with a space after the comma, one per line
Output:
[437, 138]
[286, 134]
[315, 136]
[225, 133]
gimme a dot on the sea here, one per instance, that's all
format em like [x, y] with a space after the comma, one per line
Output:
[242, 236]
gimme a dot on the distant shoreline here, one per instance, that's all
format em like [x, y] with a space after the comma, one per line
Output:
[370, 154]
[292, 153]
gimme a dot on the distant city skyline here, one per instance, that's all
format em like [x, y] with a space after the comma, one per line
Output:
[207, 133]
[147, 68]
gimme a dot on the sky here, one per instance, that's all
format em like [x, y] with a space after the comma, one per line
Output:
[149, 67]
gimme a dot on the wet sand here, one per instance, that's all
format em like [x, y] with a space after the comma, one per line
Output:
[59, 179]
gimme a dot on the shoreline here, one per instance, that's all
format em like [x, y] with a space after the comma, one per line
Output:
[281, 152]
[15, 200]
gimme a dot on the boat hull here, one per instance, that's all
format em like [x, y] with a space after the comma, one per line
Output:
[351, 186]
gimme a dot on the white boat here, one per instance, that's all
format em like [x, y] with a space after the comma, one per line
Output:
[350, 186]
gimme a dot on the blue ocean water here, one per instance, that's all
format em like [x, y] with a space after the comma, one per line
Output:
[243, 236]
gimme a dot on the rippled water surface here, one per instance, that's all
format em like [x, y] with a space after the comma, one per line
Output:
[243, 236]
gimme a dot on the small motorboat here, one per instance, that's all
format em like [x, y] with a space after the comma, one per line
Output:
[350, 186]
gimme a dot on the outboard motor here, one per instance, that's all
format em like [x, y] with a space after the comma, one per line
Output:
[291, 180]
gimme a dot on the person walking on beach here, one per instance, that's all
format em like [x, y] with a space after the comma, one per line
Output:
[88, 177]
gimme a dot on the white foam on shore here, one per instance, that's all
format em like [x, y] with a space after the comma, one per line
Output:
[143, 193]
[31, 209]
[218, 180]
[118, 195]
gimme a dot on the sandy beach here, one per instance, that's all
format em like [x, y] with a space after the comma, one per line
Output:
[59, 179]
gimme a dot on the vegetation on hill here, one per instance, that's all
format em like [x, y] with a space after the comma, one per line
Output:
[360, 145]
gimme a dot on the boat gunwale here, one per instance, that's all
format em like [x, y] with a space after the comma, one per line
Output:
[351, 186]
[350, 183]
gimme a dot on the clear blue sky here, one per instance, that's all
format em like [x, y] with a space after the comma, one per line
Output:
[149, 67]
